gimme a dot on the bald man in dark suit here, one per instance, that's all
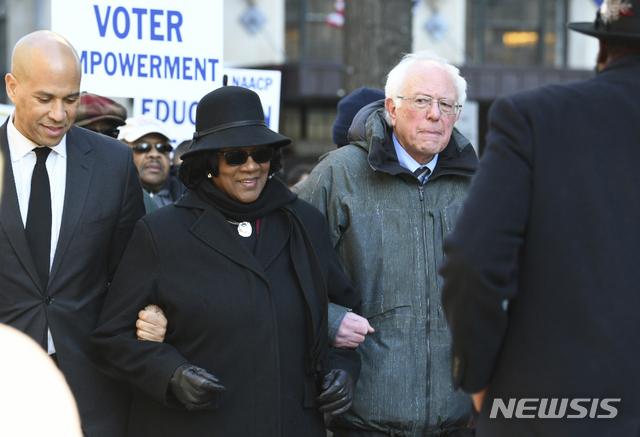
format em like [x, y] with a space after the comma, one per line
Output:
[69, 201]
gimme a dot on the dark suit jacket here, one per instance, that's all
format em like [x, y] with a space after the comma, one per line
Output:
[552, 225]
[103, 201]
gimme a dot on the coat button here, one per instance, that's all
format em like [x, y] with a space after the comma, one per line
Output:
[48, 301]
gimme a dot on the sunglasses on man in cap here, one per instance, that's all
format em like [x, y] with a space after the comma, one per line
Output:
[146, 147]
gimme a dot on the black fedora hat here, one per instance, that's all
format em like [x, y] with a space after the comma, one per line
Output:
[615, 20]
[232, 117]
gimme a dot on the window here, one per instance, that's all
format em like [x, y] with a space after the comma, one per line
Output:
[308, 37]
[516, 32]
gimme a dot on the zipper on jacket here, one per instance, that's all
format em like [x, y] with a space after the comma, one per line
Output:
[423, 209]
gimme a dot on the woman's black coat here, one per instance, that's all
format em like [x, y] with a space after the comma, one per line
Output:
[241, 317]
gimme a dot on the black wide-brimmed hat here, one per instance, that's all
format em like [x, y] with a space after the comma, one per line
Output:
[232, 117]
[615, 20]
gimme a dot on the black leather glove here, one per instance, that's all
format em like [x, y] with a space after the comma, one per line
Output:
[194, 387]
[337, 394]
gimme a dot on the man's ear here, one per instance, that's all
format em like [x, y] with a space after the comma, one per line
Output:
[12, 85]
[391, 107]
[603, 55]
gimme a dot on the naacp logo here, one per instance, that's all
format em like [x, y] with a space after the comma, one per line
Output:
[544, 408]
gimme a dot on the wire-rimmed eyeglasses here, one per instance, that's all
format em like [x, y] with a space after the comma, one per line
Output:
[420, 102]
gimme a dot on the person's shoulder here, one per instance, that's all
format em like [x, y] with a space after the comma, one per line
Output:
[303, 206]
[338, 171]
[85, 139]
[350, 151]
[548, 97]
[165, 218]
[188, 205]
[308, 213]
[346, 159]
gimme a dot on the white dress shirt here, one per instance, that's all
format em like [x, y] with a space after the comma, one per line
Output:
[23, 159]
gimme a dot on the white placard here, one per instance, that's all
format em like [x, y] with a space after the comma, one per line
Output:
[267, 84]
[179, 114]
[146, 48]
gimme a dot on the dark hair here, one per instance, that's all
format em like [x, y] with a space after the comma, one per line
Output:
[196, 167]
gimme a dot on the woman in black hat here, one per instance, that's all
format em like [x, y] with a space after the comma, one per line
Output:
[242, 269]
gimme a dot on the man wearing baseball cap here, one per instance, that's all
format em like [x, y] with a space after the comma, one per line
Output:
[550, 232]
[151, 152]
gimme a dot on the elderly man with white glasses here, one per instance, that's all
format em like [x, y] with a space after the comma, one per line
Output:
[390, 198]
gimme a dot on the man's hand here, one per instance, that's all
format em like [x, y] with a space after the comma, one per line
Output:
[151, 324]
[478, 398]
[352, 331]
[338, 391]
[194, 387]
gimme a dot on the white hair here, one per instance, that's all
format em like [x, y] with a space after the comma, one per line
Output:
[397, 76]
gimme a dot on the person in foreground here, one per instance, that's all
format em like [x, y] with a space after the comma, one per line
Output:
[390, 197]
[53, 412]
[243, 278]
[541, 271]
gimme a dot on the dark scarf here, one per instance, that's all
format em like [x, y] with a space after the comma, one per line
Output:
[276, 196]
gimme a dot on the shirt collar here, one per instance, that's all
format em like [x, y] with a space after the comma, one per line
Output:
[19, 145]
[407, 161]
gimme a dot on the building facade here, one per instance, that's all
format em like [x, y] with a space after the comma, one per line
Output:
[501, 46]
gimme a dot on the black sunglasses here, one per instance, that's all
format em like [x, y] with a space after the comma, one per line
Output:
[239, 157]
[108, 131]
[146, 147]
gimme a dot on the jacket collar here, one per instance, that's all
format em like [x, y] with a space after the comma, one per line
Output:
[212, 228]
[458, 158]
[79, 170]
[10, 219]
[190, 199]
[625, 60]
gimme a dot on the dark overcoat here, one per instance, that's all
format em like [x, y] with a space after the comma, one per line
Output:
[243, 318]
[551, 226]
[103, 202]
